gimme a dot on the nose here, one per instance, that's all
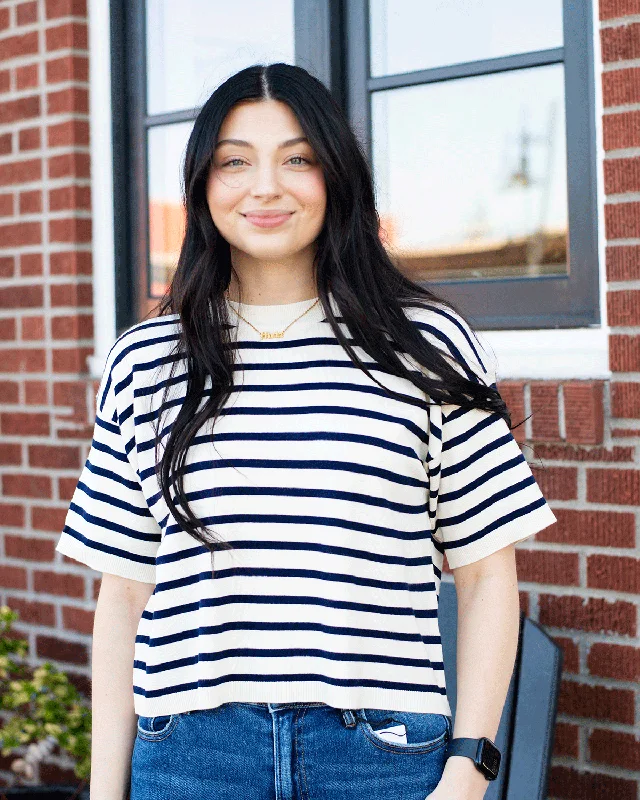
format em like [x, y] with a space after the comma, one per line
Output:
[265, 182]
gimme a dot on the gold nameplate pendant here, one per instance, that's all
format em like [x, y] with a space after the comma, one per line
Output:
[268, 335]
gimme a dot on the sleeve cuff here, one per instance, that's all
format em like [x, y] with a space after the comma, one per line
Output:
[105, 562]
[512, 532]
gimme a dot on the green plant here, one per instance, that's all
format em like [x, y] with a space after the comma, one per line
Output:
[48, 708]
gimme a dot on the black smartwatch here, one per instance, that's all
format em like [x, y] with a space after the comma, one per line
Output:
[483, 752]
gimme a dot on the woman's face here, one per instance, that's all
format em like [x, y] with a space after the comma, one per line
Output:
[263, 170]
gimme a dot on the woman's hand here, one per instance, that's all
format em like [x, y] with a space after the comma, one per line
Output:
[461, 780]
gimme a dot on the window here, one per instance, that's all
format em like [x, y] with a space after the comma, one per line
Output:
[479, 122]
[478, 119]
[167, 57]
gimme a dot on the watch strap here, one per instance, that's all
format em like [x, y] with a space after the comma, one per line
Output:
[473, 749]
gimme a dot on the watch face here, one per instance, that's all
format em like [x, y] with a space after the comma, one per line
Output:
[490, 757]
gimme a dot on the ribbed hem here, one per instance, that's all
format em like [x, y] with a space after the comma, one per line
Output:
[290, 692]
[105, 562]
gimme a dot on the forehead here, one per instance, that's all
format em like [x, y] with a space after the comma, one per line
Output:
[262, 121]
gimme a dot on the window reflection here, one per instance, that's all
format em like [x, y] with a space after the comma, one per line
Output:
[193, 45]
[471, 175]
[409, 35]
[165, 156]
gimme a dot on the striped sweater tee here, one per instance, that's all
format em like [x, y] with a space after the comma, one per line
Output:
[340, 503]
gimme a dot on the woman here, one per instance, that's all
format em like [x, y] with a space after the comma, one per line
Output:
[280, 460]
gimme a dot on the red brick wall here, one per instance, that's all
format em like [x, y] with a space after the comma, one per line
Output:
[580, 578]
[46, 327]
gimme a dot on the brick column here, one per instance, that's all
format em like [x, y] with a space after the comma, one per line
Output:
[46, 329]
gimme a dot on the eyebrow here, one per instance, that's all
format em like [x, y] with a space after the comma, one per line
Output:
[242, 143]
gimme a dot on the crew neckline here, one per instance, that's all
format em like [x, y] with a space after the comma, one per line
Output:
[275, 317]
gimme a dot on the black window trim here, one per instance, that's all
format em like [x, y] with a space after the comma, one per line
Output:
[514, 303]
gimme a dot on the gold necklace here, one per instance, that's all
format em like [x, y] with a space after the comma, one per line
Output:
[274, 334]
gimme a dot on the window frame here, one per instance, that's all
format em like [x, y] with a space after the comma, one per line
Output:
[549, 301]
[318, 37]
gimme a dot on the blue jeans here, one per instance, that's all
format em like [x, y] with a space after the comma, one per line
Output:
[288, 751]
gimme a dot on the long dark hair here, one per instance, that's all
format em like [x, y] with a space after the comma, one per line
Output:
[350, 262]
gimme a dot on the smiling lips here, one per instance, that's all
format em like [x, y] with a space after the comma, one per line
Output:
[268, 219]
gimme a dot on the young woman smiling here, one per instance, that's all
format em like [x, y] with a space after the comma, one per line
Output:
[281, 459]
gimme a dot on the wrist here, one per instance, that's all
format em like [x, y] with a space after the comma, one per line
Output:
[464, 772]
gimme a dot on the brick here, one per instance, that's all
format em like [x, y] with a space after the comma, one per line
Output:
[584, 412]
[23, 44]
[69, 36]
[27, 13]
[618, 573]
[77, 619]
[595, 614]
[12, 514]
[25, 423]
[619, 486]
[14, 173]
[21, 297]
[27, 77]
[72, 294]
[70, 198]
[45, 518]
[30, 264]
[620, 87]
[72, 326]
[12, 577]
[33, 611]
[71, 262]
[74, 229]
[30, 202]
[20, 234]
[35, 393]
[572, 784]
[540, 566]
[570, 654]
[63, 584]
[52, 648]
[621, 175]
[618, 661]
[625, 399]
[623, 308]
[565, 740]
[26, 485]
[71, 359]
[596, 702]
[622, 220]
[591, 528]
[10, 454]
[621, 43]
[70, 100]
[613, 9]
[65, 8]
[572, 452]
[68, 133]
[621, 131]
[557, 483]
[624, 353]
[616, 748]
[23, 360]
[29, 139]
[67, 68]
[544, 408]
[55, 456]
[33, 329]
[28, 548]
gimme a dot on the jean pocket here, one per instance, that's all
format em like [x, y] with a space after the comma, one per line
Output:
[405, 731]
[157, 728]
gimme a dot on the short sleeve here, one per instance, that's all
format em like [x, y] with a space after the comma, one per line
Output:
[483, 494]
[487, 496]
[109, 525]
